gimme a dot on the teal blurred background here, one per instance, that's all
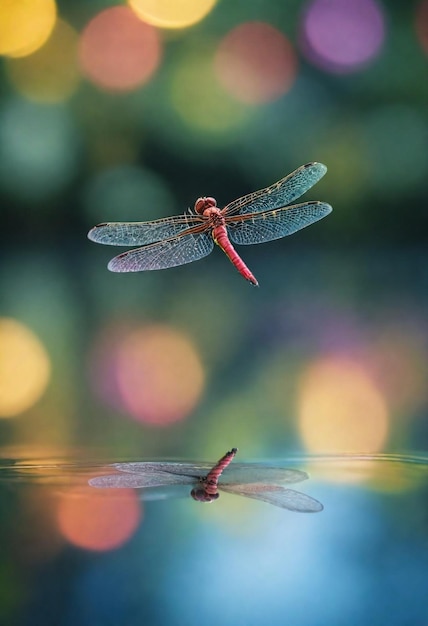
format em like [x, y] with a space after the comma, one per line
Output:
[129, 112]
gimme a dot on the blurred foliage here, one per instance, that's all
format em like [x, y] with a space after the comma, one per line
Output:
[103, 118]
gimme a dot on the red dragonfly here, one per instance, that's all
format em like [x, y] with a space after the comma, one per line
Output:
[253, 480]
[255, 218]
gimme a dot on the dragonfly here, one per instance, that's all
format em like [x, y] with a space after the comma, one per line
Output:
[253, 480]
[258, 217]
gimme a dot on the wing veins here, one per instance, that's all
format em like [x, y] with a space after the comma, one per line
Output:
[277, 495]
[281, 193]
[276, 223]
[143, 233]
[190, 246]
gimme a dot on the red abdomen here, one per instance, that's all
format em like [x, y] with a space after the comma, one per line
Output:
[222, 240]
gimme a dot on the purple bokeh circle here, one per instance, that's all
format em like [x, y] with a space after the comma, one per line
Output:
[341, 36]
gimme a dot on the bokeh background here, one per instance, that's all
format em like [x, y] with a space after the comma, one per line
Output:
[122, 112]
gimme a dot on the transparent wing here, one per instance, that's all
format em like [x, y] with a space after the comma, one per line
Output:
[160, 480]
[247, 473]
[279, 194]
[270, 225]
[237, 473]
[192, 470]
[137, 481]
[152, 474]
[142, 233]
[276, 495]
[169, 253]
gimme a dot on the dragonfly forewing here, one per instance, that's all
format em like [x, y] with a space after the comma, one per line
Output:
[253, 473]
[148, 474]
[142, 233]
[195, 470]
[142, 480]
[237, 473]
[170, 253]
[271, 225]
[280, 193]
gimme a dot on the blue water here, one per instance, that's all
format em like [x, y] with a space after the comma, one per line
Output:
[363, 560]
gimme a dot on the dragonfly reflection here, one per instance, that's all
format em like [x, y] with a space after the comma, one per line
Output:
[253, 480]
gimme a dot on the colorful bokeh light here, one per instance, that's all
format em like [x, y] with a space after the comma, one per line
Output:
[381, 472]
[38, 149]
[117, 51]
[96, 520]
[396, 359]
[129, 191]
[51, 73]
[392, 476]
[172, 13]
[43, 540]
[25, 25]
[103, 365]
[421, 23]
[392, 170]
[342, 36]
[340, 408]
[200, 101]
[153, 373]
[160, 375]
[24, 368]
[255, 63]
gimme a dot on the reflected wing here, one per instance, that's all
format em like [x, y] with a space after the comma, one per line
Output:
[270, 225]
[244, 473]
[169, 253]
[279, 194]
[192, 470]
[237, 473]
[152, 474]
[276, 495]
[137, 481]
[142, 233]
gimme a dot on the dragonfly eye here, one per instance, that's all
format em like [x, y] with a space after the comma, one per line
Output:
[202, 496]
[204, 203]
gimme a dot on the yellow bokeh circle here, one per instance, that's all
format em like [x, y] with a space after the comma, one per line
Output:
[171, 13]
[24, 368]
[340, 408]
[51, 73]
[25, 25]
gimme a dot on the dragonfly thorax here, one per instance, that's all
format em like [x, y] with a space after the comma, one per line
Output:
[202, 204]
[201, 495]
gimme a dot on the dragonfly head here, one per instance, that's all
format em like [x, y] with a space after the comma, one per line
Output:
[204, 203]
[201, 495]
